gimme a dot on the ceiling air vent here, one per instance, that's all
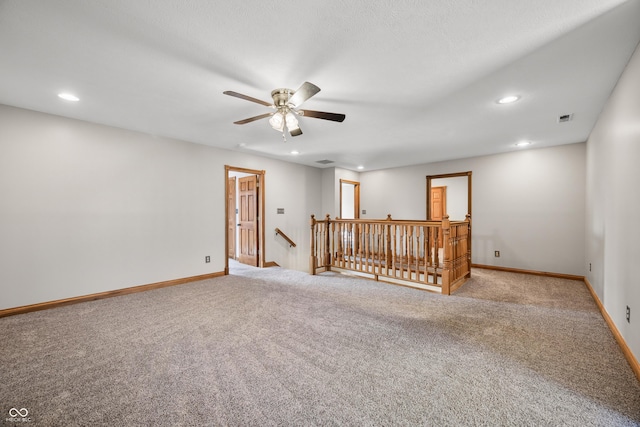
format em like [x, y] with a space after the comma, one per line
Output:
[565, 118]
[325, 162]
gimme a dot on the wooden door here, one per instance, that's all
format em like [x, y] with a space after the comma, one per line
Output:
[438, 207]
[231, 217]
[248, 222]
[438, 203]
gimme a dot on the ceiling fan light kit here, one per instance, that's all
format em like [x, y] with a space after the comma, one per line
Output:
[291, 120]
[277, 122]
[286, 103]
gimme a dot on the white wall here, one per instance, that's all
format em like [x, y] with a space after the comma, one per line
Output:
[331, 190]
[328, 194]
[89, 208]
[457, 195]
[528, 204]
[613, 186]
[295, 188]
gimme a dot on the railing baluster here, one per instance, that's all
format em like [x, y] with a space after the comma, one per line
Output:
[335, 244]
[350, 244]
[343, 243]
[387, 248]
[416, 250]
[405, 254]
[394, 252]
[365, 235]
[409, 250]
[425, 255]
[361, 248]
[436, 255]
[380, 239]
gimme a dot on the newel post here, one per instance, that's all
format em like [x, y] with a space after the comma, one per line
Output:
[389, 254]
[312, 254]
[448, 264]
[327, 247]
[468, 221]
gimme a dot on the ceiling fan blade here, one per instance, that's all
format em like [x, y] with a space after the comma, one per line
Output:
[247, 98]
[253, 119]
[295, 132]
[335, 117]
[306, 91]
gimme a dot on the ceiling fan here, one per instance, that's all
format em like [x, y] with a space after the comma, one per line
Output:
[286, 103]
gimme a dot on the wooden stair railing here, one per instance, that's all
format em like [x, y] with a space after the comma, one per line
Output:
[285, 237]
[403, 251]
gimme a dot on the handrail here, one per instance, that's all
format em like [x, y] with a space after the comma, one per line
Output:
[387, 220]
[285, 237]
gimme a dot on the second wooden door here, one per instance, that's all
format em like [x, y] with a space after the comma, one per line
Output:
[248, 221]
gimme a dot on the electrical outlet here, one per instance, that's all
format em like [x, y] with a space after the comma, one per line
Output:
[497, 254]
[207, 259]
[628, 315]
[364, 211]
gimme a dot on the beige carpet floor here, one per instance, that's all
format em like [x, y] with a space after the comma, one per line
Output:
[282, 348]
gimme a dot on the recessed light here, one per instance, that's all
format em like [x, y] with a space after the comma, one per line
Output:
[523, 143]
[508, 99]
[360, 167]
[295, 152]
[68, 97]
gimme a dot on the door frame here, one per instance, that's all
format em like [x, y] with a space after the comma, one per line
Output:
[232, 196]
[448, 175]
[452, 175]
[261, 213]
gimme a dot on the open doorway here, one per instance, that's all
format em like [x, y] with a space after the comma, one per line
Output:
[349, 199]
[244, 215]
[449, 194]
[350, 209]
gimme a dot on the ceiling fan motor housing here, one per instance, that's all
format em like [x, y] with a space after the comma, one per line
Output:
[281, 96]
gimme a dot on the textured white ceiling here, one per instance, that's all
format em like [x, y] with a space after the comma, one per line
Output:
[417, 80]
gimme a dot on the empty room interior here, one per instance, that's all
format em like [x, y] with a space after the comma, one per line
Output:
[319, 213]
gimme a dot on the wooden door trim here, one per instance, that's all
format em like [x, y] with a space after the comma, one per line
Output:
[261, 200]
[232, 211]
